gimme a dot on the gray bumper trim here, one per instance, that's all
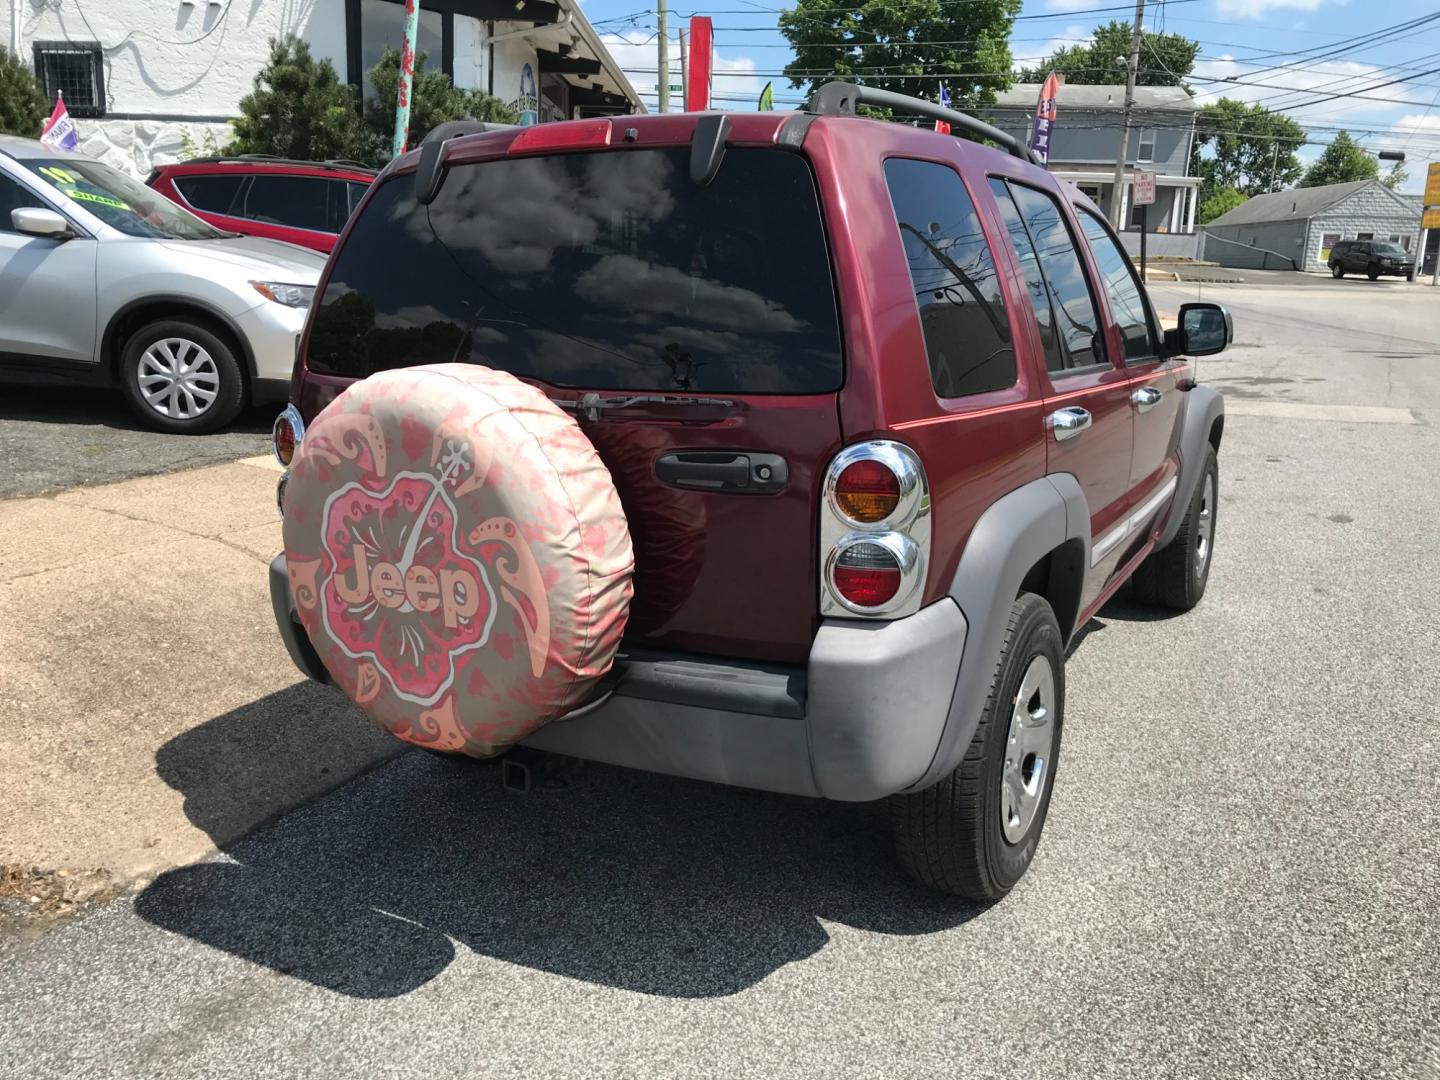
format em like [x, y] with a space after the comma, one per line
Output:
[860, 722]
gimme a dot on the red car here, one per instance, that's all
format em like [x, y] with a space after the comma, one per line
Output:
[301, 202]
[889, 414]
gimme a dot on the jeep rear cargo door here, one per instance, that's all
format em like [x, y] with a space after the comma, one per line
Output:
[692, 328]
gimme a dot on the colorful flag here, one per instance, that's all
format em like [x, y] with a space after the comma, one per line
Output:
[767, 98]
[59, 131]
[943, 126]
[697, 71]
[1045, 114]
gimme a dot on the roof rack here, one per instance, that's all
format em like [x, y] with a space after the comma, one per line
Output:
[273, 159]
[842, 99]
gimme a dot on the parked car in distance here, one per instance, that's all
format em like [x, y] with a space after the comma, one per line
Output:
[1373, 258]
[889, 412]
[300, 202]
[104, 281]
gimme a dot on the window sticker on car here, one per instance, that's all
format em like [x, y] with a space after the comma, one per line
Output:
[81, 195]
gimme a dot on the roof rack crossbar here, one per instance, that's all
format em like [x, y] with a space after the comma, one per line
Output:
[842, 99]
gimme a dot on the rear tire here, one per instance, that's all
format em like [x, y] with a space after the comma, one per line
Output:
[1175, 576]
[179, 376]
[975, 832]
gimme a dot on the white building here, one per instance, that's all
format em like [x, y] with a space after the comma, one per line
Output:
[138, 75]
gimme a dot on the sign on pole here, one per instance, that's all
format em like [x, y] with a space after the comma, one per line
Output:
[1432, 185]
[1144, 188]
[1431, 219]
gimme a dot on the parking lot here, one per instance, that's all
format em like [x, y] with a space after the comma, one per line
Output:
[1238, 876]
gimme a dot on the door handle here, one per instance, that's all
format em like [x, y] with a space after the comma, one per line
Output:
[1146, 398]
[1068, 422]
[745, 472]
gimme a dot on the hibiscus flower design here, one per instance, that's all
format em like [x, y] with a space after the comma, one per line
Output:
[398, 590]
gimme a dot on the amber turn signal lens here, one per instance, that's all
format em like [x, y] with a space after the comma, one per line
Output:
[284, 436]
[867, 492]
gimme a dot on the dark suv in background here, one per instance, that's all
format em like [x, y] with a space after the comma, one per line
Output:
[1373, 258]
[933, 424]
[301, 202]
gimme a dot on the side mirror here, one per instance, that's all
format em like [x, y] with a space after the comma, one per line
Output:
[1204, 329]
[36, 221]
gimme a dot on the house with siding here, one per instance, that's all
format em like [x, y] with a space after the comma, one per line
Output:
[139, 75]
[1086, 140]
[1302, 225]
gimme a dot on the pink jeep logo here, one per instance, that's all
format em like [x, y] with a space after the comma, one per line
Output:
[399, 592]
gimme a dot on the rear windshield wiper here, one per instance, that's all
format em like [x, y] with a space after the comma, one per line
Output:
[591, 405]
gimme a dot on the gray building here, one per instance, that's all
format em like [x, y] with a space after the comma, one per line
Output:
[1304, 224]
[1087, 137]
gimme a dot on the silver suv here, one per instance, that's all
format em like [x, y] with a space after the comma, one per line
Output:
[104, 281]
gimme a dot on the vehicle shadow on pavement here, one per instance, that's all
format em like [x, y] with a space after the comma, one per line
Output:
[620, 878]
[103, 407]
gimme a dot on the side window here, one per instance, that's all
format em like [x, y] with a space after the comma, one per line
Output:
[357, 192]
[213, 194]
[1076, 317]
[14, 196]
[1127, 302]
[1030, 270]
[957, 290]
[294, 201]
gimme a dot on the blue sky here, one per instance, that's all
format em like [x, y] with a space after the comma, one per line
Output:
[1239, 42]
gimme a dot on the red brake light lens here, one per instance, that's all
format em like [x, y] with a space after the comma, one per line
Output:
[566, 135]
[283, 435]
[866, 575]
[867, 491]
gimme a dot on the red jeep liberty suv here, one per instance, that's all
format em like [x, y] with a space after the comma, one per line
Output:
[888, 412]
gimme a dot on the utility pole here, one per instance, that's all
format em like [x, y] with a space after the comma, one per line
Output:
[663, 90]
[1118, 187]
[1274, 164]
[684, 77]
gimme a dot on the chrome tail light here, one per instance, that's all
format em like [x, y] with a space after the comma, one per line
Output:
[874, 532]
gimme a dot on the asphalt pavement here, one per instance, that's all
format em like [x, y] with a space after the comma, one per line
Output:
[58, 437]
[1238, 876]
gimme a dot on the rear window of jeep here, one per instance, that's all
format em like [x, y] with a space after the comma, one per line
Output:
[606, 271]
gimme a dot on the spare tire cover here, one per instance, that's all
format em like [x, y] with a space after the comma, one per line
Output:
[458, 555]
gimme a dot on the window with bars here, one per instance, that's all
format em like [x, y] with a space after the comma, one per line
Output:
[75, 69]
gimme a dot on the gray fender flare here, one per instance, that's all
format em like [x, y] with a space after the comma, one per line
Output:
[1047, 517]
[1203, 406]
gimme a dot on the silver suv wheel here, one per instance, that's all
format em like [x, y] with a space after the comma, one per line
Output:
[1028, 749]
[178, 378]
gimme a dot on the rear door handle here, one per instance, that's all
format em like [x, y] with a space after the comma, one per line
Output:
[745, 472]
[1068, 422]
[1146, 398]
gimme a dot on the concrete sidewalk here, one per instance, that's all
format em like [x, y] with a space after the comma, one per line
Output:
[151, 712]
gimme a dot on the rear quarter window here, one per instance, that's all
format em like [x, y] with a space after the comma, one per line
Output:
[957, 290]
[605, 271]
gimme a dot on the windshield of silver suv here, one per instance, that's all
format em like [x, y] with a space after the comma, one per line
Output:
[119, 201]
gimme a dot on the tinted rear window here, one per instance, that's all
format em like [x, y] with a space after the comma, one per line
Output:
[605, 271]
[215, 194]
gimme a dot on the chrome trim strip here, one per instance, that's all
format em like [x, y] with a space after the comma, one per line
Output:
[1102, 547]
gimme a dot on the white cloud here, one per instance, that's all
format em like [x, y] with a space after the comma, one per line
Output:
[1031, 53]
[1213, 78]
[1253, 9]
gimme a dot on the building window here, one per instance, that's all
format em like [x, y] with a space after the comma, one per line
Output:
[1364, 236]
[74, 69]
[1404, 241]
[1145, 152]
[371, 25]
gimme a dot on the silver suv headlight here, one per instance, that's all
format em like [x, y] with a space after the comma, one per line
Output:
[296, 296]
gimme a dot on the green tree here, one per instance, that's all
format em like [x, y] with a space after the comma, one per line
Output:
[298, 108]
[434, 99]
[890, 44]
[1251, 149]
[1165, 59]
[22, 103]
[1342, 161]
[1397, 175]
[1222, 202]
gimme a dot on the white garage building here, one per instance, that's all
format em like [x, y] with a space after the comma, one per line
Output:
[138, 75]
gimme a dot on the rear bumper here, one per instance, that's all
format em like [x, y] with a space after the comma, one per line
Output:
[861, 720]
